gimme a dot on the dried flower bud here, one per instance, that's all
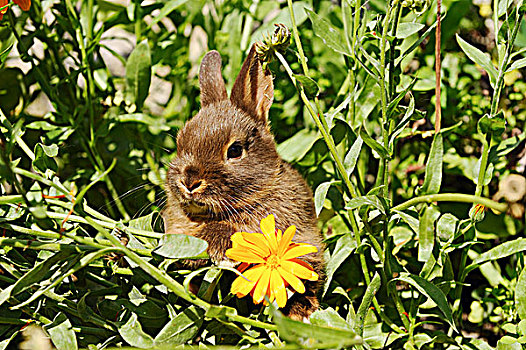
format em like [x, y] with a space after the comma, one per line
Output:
[277, 42]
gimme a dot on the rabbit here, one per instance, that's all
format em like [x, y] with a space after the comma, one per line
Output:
[227, 174]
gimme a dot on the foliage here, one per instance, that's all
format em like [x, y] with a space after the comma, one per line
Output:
[418, 254]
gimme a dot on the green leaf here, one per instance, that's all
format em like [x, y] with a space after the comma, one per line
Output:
[349, 162]
[138, 74]
[494, 125]
[320, 194]
[328, 318]
[309, 86]
[367, 299]
[345, 245]
[155, 125]
[431, 291]
[4, 54]
[295, 148]
[413, 222]
[406, 29]
[39, 272]
[303, 333]
[506, 146]
[181, 246]
[433, 177]
[426, 233]
[168, 8]
[446, 227]
[520, 295]
[508, 343]
[372, 200]
[331, 36]
[181, 328]
[375, 145]
[44, 158]
[501, 251]
[402, 123]
[62, 334]
[479, 58]
[521, 63]
[133, 334]
[142, 223]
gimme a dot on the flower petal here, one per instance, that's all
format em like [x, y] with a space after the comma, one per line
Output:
[285, 240]
[277, 288]
[299, 269]
[241, 286]
[259, 242]
[2, 4]
[268, 227]
[244, 255]
[262, 286]
[254, 241]
[292, 280]
[299, 249]
[24, 4]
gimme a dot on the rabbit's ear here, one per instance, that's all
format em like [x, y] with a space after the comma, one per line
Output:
[211, 81]
[253, 90]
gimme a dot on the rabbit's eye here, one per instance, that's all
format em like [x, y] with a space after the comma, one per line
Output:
[234, 151]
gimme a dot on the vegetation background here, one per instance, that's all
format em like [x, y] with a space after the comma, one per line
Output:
[419, 256]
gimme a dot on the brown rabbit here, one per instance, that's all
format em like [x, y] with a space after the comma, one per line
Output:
[227, 175]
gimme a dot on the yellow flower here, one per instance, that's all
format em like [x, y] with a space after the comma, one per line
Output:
[277, 266]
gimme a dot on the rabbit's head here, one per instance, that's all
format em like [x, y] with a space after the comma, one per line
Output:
[226, 157]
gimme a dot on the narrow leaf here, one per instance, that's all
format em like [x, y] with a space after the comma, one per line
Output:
[426, 233]
[433, 177]
[370, 292]
[62, 334]
[133, 334]
[431, 291]
[402, 123]
[501, 251]
[343, 249]
[375, 145]
[331, 36]
[138, 74]
[309, 85]
[320, 194]
[520, 295]
[328, 318]
[372, 200]
[352, 156]
[181, 328]
[479, 58]
[299, 333]
[180, 246]
[406, 29]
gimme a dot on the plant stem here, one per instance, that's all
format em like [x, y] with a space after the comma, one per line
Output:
[452, 197]
[487, 141]
[438, 64]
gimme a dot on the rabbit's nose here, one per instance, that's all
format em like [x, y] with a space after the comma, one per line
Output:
[192, 186]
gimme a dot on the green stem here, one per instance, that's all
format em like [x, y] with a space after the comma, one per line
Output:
[168, 281]
[486, 146]
[332, 149]
[36, 245]
[383, 169]
[452, 197]
[392, 51]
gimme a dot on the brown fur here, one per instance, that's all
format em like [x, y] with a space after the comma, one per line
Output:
[211, 196]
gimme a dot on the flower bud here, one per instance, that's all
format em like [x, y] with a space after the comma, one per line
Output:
[279, 41]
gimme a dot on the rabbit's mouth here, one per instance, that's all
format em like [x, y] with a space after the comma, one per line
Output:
[194, 207]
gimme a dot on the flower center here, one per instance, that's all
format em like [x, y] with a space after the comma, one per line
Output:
[273, 262]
